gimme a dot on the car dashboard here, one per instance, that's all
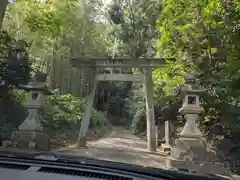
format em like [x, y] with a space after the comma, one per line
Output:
[14, 170]
[15, 167]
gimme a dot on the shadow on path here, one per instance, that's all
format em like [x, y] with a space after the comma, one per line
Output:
[121, 146]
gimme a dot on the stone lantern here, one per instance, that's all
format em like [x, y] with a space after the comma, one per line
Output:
[30, 133]
[191, 109]
[190, 151]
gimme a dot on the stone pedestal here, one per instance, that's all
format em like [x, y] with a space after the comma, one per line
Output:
[30, 133]
[198, 166]
[31, 140]
[190, 152]
[165, 150]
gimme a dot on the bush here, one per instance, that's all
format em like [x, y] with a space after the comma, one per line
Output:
[66, 111]
[139, 121]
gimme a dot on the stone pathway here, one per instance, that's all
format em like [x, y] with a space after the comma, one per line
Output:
[121, 146]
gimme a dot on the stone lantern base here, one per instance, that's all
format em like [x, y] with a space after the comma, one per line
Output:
[31, 140]
[198, 166]
[166, 148]
[192, 154]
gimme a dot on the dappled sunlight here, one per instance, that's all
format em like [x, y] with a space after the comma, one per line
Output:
[121, 143]
[127, 149]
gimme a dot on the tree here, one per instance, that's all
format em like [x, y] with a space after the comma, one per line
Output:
[136, 35]
[55, 29]
[3, 6]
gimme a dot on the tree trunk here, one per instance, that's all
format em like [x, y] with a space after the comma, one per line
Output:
[3, 6]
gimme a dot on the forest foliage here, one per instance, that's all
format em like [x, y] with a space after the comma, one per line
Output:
[203, 37]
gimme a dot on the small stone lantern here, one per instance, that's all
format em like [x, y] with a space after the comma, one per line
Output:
[30, 134]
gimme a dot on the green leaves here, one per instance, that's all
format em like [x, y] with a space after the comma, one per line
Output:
[137, 34]
[5, 44]
[168, 78]
[63, 110]
[43, 18]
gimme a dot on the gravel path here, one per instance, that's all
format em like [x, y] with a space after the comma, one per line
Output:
[121, 146]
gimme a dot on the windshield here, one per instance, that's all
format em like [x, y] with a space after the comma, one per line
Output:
[151, 83]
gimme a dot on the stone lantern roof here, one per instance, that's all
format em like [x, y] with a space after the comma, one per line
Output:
[190, 79]
[37, 86]
[191, 87]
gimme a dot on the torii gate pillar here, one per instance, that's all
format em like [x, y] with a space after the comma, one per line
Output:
[151, 130]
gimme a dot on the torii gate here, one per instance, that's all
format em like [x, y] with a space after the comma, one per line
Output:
[121, 62]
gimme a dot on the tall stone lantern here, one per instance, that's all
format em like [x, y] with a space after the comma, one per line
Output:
[30, 133]
[190, 151]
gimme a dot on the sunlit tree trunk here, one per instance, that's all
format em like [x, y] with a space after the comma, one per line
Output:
[3, 6]
[3, 90]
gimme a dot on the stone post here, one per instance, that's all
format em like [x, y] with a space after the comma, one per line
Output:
[167, 133]
[166, 147]
[156, 127]
[190, 151]
[30, 133]
[157, 122]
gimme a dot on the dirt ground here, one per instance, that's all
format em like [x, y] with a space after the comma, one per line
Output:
[121, 146]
